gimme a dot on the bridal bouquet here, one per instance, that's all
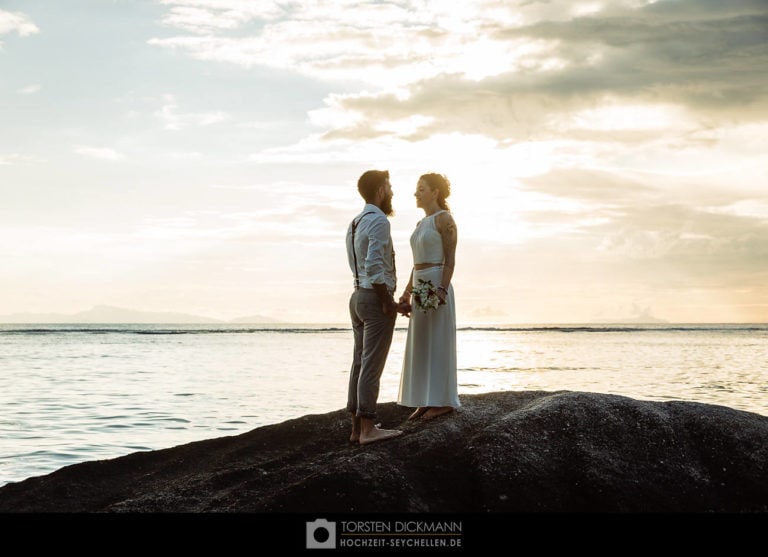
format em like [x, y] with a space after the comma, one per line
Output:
[425, 295]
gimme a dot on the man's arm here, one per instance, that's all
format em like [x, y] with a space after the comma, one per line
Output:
[378, 240]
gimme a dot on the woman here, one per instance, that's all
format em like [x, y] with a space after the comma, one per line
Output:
[428, 381]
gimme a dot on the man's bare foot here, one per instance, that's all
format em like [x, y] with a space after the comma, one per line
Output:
[436, 411]
[355, 436]
[370, 432]
[376, 434]
[418, 412]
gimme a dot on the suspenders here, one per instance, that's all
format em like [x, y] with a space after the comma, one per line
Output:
[354, 253]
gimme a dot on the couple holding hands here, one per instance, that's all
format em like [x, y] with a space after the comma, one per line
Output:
[428, 381]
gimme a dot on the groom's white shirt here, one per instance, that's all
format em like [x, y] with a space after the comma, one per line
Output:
[373, 248]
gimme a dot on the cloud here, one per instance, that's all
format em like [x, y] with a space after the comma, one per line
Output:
[705, 243]
[642, 229]
[175, 120]
[29, 89]
[206, 16]
[640, 70]
[699, 53]
[370, 42]
[102, 153]
[18, 22]
[590, 186]
[273, 225]
[14, 158]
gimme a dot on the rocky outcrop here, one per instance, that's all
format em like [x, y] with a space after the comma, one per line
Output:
[523, 452]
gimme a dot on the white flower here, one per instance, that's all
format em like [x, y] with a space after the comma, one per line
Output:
[425, 295]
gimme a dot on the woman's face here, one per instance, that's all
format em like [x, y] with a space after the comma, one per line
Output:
[424, 196]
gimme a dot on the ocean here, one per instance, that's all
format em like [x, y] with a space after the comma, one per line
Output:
[75, 393]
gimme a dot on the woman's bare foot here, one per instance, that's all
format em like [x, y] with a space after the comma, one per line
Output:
[418, 412]
[370, 432]
[436, 411]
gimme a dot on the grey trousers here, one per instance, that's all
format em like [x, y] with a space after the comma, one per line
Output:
[373, 336]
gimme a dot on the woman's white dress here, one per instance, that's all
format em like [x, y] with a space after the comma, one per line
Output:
[429, 365]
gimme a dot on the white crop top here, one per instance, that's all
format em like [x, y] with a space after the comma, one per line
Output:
[426, 242]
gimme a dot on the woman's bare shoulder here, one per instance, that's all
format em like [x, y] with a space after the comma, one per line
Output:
[444, 220]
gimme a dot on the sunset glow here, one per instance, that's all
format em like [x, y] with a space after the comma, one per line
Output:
[607, 159]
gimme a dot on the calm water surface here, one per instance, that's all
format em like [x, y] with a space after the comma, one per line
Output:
[72, 393]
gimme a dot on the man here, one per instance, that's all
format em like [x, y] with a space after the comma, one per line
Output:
[372, 307]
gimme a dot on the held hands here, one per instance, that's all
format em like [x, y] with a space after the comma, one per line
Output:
[404, 309]
[404, 304]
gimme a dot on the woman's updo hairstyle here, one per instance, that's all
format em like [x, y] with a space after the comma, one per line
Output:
[440, 183]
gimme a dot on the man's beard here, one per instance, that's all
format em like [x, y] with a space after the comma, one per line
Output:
[386, 207]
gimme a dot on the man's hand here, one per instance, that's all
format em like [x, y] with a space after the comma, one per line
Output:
[390, 306]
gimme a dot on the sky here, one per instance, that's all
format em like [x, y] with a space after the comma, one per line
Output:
[607, 159]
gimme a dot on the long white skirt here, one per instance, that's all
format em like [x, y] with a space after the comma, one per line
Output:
[429, 365]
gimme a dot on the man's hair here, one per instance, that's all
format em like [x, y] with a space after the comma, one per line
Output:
[370, 182]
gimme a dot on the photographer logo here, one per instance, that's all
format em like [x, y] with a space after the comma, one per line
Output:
[321, 534]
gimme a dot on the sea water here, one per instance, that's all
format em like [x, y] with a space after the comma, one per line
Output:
[75, 393]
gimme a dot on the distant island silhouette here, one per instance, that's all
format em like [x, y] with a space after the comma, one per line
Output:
[112, 314]
[640, 316]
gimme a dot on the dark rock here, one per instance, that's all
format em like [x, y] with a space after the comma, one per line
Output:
[501, 452]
